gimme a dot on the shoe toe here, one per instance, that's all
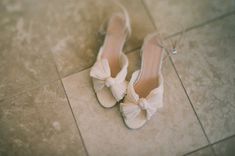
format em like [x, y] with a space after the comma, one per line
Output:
[137, 122]
[106, 98]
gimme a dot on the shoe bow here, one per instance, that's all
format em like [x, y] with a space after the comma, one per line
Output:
[101, 75]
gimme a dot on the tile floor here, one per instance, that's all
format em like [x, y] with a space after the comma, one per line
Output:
[47, 105]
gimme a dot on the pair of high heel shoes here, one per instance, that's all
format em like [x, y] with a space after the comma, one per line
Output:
[143, 95]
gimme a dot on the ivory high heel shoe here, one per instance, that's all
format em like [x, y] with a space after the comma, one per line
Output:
[110, 69]
[145, 89]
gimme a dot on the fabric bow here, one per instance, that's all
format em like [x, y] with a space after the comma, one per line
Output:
[131, 110]
[133, 104]
[101, 75]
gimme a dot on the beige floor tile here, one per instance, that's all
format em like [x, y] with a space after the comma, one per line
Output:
[171, 16]
[203, 152]
[225, 148]
[25, 59]
[71, 28]
[37, 123]
[174, 130]
[206, 65]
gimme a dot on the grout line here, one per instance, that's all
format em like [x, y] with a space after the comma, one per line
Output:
[76, 122]
[71, 109]
[75, 72]
[195, 113]
[203, 23]
[199, 149]
[224, 139]
[189, 99]
[149, 15]
[190, 28]
[127, 52]
[211, 145]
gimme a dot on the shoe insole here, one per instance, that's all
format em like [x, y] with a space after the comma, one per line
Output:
[114, 42]
[149, 72]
